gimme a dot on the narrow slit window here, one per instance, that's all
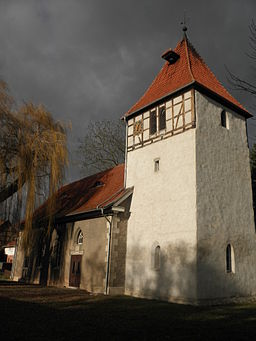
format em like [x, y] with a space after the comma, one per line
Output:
[230, 259]
[156, 165]
[224, 119]
[162, 118]
[152, 122]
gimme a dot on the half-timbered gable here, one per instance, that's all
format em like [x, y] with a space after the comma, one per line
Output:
[171, 117]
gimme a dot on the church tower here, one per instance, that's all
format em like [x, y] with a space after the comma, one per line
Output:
[191, 233]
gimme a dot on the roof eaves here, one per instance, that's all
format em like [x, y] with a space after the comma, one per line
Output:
[119, 199]
[159, 99]
[91, 214]
[214, 95]
[72, 217]
[100, 209]
[126, 195]
[110, 197]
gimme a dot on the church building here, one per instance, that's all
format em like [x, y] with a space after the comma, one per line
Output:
[176, 221]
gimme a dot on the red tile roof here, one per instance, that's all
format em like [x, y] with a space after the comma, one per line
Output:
[188, 69]
[95, 191]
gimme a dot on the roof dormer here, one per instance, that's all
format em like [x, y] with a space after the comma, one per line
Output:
[170, 56]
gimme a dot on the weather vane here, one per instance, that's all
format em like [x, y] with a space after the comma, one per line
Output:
[184, 23]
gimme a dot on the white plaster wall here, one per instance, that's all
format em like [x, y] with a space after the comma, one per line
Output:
[163, 212]
[224, 203]
[18, 262]
[93, 251]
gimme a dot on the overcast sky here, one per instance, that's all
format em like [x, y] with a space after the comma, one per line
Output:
[92, 59]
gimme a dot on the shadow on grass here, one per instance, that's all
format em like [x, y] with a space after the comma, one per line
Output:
[34, 313]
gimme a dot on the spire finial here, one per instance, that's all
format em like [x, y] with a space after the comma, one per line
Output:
[184, 23]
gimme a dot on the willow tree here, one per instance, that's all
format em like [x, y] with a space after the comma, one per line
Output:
[33, 152]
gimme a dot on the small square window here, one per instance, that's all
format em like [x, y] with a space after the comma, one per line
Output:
[156, 165]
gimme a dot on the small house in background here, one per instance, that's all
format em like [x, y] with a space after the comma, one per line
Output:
[8, 265]
[8, 237]
[9, 251]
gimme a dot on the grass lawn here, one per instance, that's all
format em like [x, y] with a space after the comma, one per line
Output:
[37, 313]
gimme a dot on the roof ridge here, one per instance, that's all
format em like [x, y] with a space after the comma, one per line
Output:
[210, 71]
[188, 59]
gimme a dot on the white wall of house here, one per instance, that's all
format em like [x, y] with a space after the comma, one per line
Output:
[93, 251]
[198, 202]
[163, 212]
[224, 203]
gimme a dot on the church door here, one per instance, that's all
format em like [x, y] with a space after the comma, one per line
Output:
[75, 271]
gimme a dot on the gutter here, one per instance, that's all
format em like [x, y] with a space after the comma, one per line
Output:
[108, 253]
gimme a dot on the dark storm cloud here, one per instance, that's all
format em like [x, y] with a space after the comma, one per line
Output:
[89, 60]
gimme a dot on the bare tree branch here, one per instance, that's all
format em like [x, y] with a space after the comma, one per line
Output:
[103, 146]
[237, 82]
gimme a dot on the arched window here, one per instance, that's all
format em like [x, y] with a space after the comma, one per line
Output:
[80, 238]
[230, 259]
[157, 258]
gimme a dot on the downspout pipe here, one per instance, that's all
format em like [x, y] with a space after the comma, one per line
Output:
[109, 221]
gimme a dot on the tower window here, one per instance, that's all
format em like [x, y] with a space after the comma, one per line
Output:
[156, 165]
[162, 118]
[230, 259]
[152, 122]
[224, 119]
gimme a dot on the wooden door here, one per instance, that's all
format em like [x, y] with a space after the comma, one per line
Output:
[75, 271]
